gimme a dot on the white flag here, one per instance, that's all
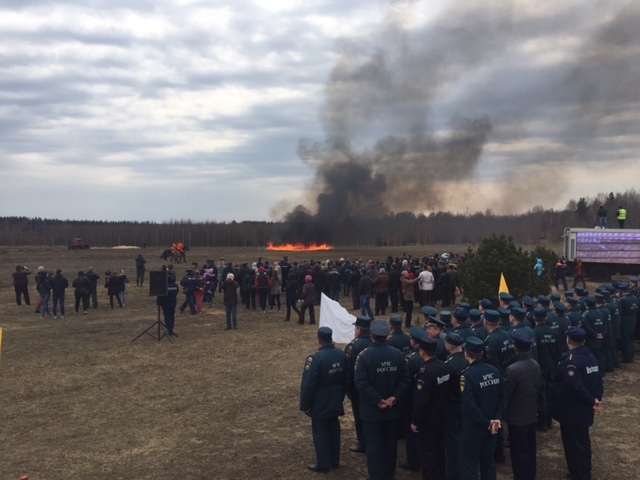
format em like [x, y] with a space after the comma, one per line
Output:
[338, 319]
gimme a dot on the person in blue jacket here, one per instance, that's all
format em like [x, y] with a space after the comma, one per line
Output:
[322, 391]
[576, 395]
[383, 383]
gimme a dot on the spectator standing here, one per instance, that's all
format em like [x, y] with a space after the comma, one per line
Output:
[578, 274]
[602, 217]
[168, 303]
[230, 300]
[112, 284]
[408, 296]
[93, 287]
[44, 289]
[308, 300]
[365, 287]
[538, 267]
[140, 268]
[523, 378]
[560, 274]
[81, 285]
[263, 286]
[58, 286]
[123, 286]
[426, 285]
[621, 216]
[21, 284]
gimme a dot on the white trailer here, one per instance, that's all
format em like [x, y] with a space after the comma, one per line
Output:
[604, 252]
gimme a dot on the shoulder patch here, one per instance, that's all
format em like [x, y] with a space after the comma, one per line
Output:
[307, 364]
[571, 373]
[419, 385]
[462, 383]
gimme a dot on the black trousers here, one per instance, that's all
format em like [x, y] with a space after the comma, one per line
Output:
[452, 433]
[393, 296]
[84, 297]
[326, 441]
[432, 452]
[312, 314]
[523, 451]
[577, 451]
[355, 407]
[408, 313]
[291, 305]
[22, 291]
[381, 439]
[169, 313]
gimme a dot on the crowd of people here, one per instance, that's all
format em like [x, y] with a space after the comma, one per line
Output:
[451, 388]
[52, 287]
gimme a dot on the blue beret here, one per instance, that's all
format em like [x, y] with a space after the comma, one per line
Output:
[540, 312]
[491, 316]
[429, 344]
[519, 313]
[473, 345]
[427, 310]
[504, 313]
[522, 341]
[465, 305]
[461, 314]
[528, 301]
[561, 307]
[485, 303]
[325, 334]
[396, 319]
[445, 316]
[417, 333]
[362, 322]
[475, 314]
[576, 334]
[380, 328]
[454, 339]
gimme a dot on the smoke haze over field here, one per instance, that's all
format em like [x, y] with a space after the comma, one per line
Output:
[490, 106]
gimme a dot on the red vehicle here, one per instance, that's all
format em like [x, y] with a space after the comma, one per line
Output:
[78, 243]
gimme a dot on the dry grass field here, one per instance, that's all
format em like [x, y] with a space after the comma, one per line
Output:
[80, 401]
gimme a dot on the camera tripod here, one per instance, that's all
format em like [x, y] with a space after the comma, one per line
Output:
[162, 330]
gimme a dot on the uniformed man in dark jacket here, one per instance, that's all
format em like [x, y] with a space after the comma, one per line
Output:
[498, 344]
[518, 325]
[549, 352]
[573, 312]
[628, 317]
[605, 313]
[324, 384]
[168, 303]
[430, 396]
[460, 323]
[483, 405]
[456, 363]
[190, 284]
[613, 304]
[523, 378]
[382, 380]
[358, 344]
[594, 325]
[398, 338]
[414, 363]
[576, 394]
[477, 324]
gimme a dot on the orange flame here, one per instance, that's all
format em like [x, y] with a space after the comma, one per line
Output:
[299, 247]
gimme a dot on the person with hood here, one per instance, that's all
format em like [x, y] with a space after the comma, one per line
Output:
[276, 282]
[263, 286]
[44, 289]
[538, 268]
[230, 300]
[308, 300]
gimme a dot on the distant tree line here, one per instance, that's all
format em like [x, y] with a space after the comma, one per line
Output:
[538, 225]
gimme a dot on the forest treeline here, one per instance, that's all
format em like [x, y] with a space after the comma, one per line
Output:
[535, 226]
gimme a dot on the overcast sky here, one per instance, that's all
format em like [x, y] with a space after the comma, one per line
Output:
[206, 110]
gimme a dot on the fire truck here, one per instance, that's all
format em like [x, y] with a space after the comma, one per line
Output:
[603, 252]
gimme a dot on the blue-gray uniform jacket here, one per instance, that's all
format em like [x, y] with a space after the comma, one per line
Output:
[400, 340]
[484, 395]
[549, 348]
[480, 331]
[593, 324]
[498, 348]
[614, 310]
[414, 362]
[628, 312]
[352, 350]
[324, 383]
[522, 327]
[381, 372]
[605, 313]
[575, 316]
[577, 382]
[170, 299]
[456, 364]
[465, 331]
[561, 325]
[430, 394]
